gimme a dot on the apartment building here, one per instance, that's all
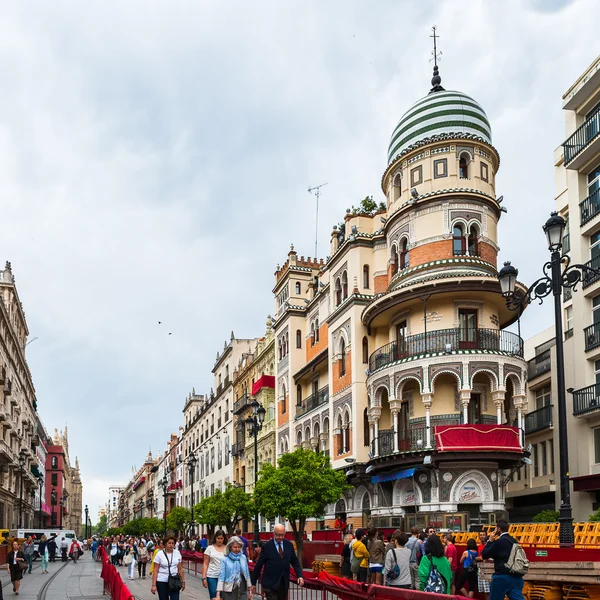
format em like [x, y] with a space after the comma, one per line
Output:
[577, 177]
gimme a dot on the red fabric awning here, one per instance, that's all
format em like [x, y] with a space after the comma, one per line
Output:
[586, 483]
[267, 381]
[477, 438]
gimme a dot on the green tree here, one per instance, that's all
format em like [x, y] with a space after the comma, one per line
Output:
[102, 525]
[299, 488]
[368, 205]
[206, 513]
[179, 519]
[231, 506]
[546, 516]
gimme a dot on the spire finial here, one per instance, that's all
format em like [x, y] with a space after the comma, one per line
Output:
[436, 80]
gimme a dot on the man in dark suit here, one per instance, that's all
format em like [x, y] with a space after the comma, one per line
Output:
[274, 563]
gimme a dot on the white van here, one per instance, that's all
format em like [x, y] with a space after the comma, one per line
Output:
[36, 534]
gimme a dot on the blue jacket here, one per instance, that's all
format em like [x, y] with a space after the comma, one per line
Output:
[227, 573]
[274, 569]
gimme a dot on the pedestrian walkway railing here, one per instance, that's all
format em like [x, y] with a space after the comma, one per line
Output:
[113, 584]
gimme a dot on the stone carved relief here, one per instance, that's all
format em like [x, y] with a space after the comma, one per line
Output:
[490, 368]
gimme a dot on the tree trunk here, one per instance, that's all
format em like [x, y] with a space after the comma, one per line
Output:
[298, 538]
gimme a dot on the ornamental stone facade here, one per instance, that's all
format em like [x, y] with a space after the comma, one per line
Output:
[400, 337]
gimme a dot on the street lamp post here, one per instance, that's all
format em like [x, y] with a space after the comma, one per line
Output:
[191, 464]
[164, 483]
[62, 503]
[53, 501]
[86, 521]
[254, 424]
[22, 460]
[559, 274]
[41, 483]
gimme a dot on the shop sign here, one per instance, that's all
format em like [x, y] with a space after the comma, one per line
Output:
[469, 492]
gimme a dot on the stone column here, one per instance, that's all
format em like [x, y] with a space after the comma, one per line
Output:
[520, 403]
[395, 418]
[498, 399]
[465, 398]
[376, 432]
[427, 400]
[373, 415]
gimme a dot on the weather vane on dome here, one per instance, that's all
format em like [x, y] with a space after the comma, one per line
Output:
[436, 80]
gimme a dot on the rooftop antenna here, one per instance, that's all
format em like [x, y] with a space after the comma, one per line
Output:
[436, 80]
[317, 192]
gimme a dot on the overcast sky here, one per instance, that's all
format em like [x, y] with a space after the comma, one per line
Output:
[155, 159]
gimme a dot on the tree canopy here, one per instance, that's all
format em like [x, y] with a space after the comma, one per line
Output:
[179, 519]
[299, 488]
[226, 508]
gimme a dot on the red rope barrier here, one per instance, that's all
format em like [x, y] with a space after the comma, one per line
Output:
[113, 584]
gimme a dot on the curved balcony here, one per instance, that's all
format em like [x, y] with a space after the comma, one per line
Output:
[446, 341]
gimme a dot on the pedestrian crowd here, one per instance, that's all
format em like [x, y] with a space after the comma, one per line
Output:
[428, 561]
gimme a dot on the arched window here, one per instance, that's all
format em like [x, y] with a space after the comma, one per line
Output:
[404, 261]
[366, 432]
[298, 288]
[345, 285]
[396, 187]
[226, 411]
[298, 338]
[313, 338]
[338, 292]
[342, 359]
[298, 395]
[458, 240]
[463, 166]
[283, 400]
[317, 329]
[54, 462]
[299, 438]
[473, 244]
[366, 277]
[394, 261]
[280, 349]
[365, 350]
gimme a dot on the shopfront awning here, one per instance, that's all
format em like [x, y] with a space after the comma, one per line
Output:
[586, 483]
[393, 476]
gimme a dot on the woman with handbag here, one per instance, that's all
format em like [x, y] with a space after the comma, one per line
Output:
[397, 564]
[234, 577]
[142, 559]
[129, 558]
[168, 579]
[15, 563]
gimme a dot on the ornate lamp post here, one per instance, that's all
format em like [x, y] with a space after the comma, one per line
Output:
[559, 274]
[86, 521]
[22, 460]
[53, 501]
[191, 465]
[63, 501]
[41, 484]
[254, 424]
[164, 484]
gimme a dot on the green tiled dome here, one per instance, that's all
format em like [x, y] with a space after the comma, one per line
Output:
[440, 112]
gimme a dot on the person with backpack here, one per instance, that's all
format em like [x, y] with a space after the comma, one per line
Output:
[414, 545]
[468, 560]
[510, 563]
[359, 561]
[397, 563]
[435, 574]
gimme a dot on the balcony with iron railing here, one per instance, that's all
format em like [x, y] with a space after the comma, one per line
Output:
[313, 401]
[446, 341]
[586, 400]
[590, 207]
[591, 336]
[590, 278]
[241, 403]
[584, 143]
[538, 419]
[539, 365]
[237, 448]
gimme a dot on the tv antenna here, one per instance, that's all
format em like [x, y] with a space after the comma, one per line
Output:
[317, 192]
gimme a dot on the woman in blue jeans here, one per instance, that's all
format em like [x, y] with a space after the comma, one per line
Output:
[167, 562]
[211, 568]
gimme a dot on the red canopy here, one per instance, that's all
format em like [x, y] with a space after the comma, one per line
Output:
[477, 438]
[267, 381]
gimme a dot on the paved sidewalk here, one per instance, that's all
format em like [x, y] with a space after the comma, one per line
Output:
[65, 581]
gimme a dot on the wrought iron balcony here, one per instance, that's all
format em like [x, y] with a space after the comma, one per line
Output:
[237, 448]
[582, 138]
[586, 400]
[590, 278]
[538, 419]
[539, 365]
[241, 403]
[591, 336]
[590, 207]
[446, 341]
[314, 400]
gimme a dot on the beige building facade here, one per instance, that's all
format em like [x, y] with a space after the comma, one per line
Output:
[577, 177]
[399, 336]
